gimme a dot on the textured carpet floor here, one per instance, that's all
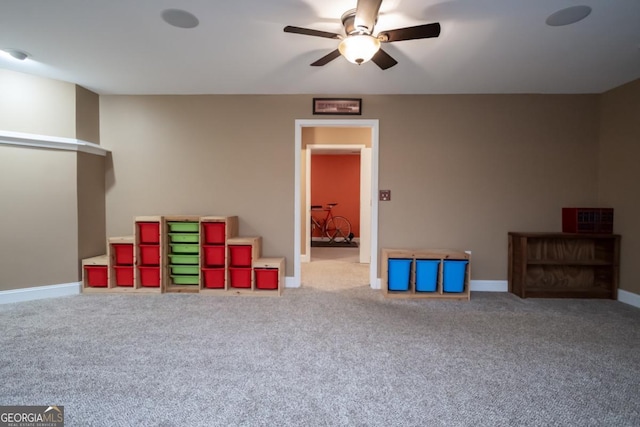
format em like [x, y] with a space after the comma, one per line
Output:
[315, 357]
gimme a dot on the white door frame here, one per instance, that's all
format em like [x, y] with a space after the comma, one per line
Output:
[297, 238]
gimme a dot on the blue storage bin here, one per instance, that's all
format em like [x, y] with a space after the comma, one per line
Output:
[399, 274]
[427, 275]
[454, 275]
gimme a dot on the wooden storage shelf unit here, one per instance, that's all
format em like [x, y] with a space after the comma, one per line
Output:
[121, 253]
[413, 273]
[148, 254]
[564, 265]
[95, 274]
[181, 260]
[242, 252]
[268, 276]
[215, 231]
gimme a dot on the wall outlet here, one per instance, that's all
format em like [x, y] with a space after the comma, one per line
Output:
[385, 195]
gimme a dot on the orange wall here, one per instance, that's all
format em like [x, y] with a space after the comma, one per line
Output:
[336, 179]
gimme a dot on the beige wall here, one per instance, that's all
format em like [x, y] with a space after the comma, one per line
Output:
[619, 174]
[87, 115]
[31, 104]
[52, 201]
[38, 219]
[91, 206]
[218, 155]
[463, 170]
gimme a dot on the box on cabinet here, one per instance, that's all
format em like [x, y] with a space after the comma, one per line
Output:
[123, 275]
[148, 232]
[240, 277]
[269, 275]
[213, 278]
[95, 274]
[453, 277]
[399, 274]
[427, 275]
[149, 276]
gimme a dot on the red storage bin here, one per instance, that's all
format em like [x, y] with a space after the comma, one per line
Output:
[123, 253]
[240, 277]
[213, 278]
[149, 276]
[240, 255]
[266, 278]
[149, 232]
[214, 233]
[95, 276]
[213, 256]
[124, 275]
[149, 255]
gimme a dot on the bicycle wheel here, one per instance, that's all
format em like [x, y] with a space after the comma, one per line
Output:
[338, 229]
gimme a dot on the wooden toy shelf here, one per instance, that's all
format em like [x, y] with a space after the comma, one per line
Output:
[426, 273]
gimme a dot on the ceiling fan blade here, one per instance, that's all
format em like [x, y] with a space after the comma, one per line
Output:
[383, 60]
[326, 59]
[310, 32]
[367, 14]
[411, 33]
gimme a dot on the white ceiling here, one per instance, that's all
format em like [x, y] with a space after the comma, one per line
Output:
[486, 46]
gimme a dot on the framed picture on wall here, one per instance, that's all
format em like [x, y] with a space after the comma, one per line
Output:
[337, 106]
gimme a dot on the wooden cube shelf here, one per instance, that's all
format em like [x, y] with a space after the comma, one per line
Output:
[215, 231]
[149, 247]
[121, 257]
[181, 242]
[95, 274]
[426, 273]
[268, 276]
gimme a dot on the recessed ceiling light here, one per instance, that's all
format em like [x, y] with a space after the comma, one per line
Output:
[16, 53]
[180, 18]
[567, 16]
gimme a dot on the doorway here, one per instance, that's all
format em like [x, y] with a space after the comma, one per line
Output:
[369, 189]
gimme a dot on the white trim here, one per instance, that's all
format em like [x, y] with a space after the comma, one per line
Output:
[629, 298]
[39, 292]
[489, 286]
[53, 142]
[373, 125]
[290, 282]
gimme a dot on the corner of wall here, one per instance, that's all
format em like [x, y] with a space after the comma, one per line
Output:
[87, 115]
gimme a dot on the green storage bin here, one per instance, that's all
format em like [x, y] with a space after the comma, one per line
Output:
[184, 259]
[185, 269]
[185, 280]
[184, 227]
[184, 237]
[184, 248]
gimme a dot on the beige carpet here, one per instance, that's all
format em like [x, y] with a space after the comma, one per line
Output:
[334, 269]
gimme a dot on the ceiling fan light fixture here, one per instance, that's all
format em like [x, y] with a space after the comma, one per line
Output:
[359, 48]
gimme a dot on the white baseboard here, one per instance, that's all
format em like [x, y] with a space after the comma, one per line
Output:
[489, 286]
[629, 298]
[289, 282]
[39, 292]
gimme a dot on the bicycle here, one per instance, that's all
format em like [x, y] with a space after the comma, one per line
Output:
[336, 228]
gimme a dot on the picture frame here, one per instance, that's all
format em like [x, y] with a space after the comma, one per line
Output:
[337, 106]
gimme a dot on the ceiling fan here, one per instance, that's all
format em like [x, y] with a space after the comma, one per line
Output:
[359, 45]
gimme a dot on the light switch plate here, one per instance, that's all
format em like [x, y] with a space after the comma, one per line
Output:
[385, 195]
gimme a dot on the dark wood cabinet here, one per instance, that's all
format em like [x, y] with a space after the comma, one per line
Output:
[564, 265]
